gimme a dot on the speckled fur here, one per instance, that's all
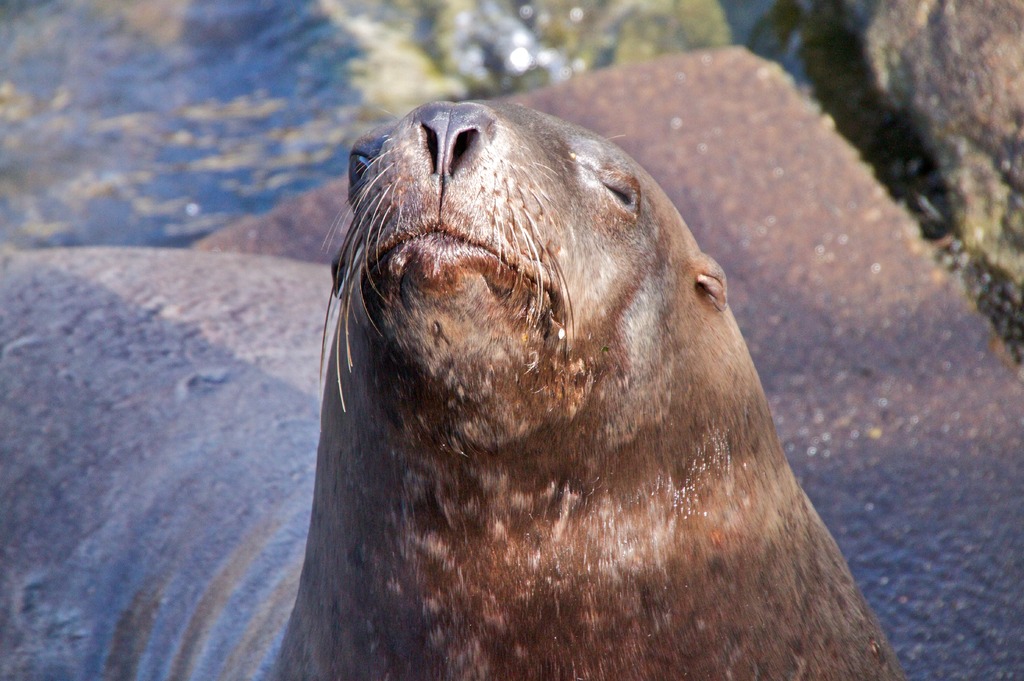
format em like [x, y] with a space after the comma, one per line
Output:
[554, 459]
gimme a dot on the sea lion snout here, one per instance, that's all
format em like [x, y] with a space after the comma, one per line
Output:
[442, 259]
[453, 135]
[450, 226]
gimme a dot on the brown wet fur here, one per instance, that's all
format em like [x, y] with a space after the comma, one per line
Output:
[555, 459]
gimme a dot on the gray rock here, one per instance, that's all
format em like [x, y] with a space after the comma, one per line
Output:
[159, 419]
[956, 69]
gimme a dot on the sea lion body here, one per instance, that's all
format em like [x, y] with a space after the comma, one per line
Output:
[545, 452]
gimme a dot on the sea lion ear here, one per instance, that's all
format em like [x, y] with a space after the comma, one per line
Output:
[711, 280]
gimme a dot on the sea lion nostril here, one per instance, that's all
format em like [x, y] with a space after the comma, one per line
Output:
[431, 148]
[452, 133]
[464, 142]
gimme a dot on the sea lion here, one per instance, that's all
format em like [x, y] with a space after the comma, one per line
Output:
[545, 452]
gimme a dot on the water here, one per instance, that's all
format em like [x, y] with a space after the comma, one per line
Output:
[158, 121]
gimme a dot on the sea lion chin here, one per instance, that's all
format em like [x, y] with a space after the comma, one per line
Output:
[545, 452]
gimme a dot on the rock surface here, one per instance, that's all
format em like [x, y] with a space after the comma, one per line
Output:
[889, 391]
[159, 420]
[955, 67]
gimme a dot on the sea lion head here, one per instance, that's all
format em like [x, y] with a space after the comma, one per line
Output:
[512, 273]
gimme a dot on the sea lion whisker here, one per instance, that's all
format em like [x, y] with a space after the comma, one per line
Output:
[560, 289]
[347, 257]
[376, 245]
[540, 197]
[354, 243]
[498, 221]
[357, 195]
[365, 192]
[370, 228]
[505, 227]
[380, 220]
[563, 299]
[538, 266]
[560, 294]
[344, 293]
[530, 235]
[377, 166]
[343, 327]
[342, 313]
[361, 250]
[350, 287]
[323, 339]
[548, 172]
[515, 227]
[343, 215]
[362, 300]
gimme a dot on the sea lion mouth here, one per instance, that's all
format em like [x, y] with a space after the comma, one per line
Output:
[437, 259]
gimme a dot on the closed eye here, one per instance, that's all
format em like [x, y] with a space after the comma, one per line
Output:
[626, 193]
[611, 171]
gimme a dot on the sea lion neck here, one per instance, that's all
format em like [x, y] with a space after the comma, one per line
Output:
[597, 410]
[432, 550]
